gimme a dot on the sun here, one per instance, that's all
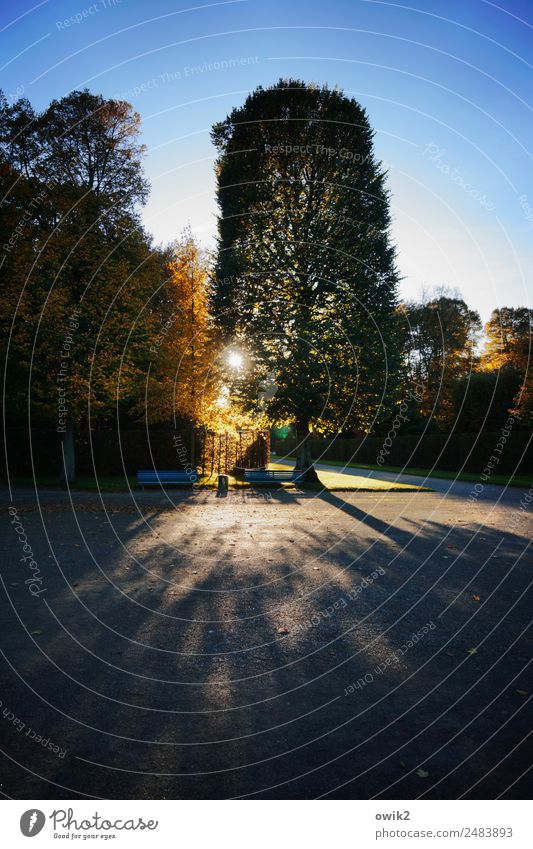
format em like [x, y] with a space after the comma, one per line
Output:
[235, 359]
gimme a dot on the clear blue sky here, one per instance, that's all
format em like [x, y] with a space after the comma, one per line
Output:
[447, 85]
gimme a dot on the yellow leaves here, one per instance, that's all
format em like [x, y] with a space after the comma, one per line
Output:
[184, 378]
[494, 362]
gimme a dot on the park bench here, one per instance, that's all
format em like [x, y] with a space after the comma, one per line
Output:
[153, 477]
[272, 475]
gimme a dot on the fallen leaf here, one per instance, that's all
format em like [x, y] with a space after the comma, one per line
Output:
[35, 632]
[522, 692]
[472, 651]
[476, 597]
[422, 773]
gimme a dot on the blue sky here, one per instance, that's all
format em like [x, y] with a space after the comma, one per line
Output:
[447, 86]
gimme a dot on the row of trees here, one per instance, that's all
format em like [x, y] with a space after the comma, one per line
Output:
[99, 326]
[102, 328]
[457, 379]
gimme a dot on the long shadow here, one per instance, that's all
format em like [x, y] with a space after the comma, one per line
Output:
[355, 512]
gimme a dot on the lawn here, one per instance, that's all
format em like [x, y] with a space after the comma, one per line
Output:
[337, 482]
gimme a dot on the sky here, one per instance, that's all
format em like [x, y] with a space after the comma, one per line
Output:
[447, 87]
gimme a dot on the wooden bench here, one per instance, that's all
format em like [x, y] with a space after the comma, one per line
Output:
[153, 477]
[272, 475]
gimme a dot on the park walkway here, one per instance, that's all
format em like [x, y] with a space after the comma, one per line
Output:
[266, 644]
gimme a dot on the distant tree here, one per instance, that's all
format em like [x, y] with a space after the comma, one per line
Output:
[510, 346]
[441, 335]
[305, 280]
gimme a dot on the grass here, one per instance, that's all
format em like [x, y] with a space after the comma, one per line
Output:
[501, 480]
[336, 481]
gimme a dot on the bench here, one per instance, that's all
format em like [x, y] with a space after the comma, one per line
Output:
[153, 477]
[272, 475]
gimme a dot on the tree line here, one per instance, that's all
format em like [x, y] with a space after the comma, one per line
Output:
[467, 380]
[102, 328]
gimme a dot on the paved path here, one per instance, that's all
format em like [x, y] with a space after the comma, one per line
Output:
[267, 645]
[444, 485]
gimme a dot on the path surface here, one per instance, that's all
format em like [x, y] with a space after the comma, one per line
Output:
[262, 645]
[450, 486]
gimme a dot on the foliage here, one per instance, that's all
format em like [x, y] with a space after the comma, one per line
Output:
[77, 267]
[305, 277]
[483, 399]
[184, 377]
[509, 340]
[440, 338]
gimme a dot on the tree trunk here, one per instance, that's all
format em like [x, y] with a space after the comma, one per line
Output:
[304, 460]
[67, 472]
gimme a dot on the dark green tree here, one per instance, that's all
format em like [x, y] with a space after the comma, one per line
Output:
[483, 399]
[305, 278]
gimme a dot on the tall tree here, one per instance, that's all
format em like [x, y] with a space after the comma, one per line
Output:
[305, 278]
